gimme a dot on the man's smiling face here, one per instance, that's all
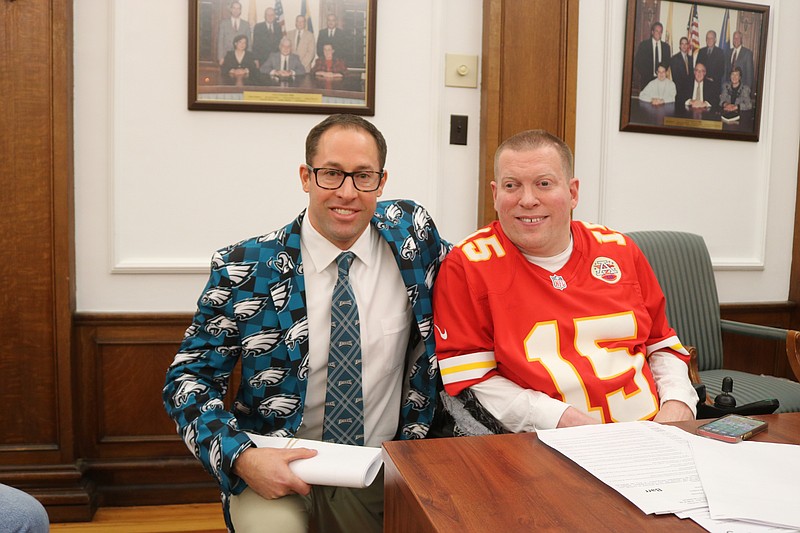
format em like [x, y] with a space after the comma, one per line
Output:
[534, 200]
[342, 215]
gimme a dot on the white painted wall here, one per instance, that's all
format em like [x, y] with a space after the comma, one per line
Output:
[158, 187]
[738, 195]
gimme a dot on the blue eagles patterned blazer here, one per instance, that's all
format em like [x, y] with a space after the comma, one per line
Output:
[253, 311]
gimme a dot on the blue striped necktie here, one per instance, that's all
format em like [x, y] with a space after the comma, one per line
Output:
[344, 405]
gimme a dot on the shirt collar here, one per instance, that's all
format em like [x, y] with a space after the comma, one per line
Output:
[561, 257]
[322, 252]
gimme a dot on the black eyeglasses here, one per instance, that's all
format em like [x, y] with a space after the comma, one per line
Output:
[333, 178]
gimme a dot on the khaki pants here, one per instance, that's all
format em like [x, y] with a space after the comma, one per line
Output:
[325, 510]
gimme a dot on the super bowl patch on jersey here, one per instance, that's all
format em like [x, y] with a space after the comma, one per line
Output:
[606, 269]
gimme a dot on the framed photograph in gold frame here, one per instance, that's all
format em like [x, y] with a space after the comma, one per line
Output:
[286, 56]
[694, 68]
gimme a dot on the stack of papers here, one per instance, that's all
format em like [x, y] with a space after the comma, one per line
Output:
[723, 487]
[335, 465]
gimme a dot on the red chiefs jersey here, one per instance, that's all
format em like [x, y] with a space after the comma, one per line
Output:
[581, 335]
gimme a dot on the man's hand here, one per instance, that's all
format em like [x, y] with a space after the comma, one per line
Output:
[673, 411]
[266, 471]
[573, 417]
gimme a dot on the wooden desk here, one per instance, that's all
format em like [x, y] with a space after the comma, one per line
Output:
[509, 483]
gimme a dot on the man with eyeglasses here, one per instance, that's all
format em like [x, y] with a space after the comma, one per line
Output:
[346, 287]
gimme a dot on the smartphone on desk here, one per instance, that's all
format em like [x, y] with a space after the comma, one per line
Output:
[732, 428]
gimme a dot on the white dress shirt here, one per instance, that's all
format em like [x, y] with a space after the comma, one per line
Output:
[697, 89]
[735, 54]
[657, 59]
[385, 315]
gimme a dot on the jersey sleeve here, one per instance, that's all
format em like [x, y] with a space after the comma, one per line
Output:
[662, 337]
[463, 326]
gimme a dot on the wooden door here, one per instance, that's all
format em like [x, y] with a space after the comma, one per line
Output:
[529, 77]
[36, 238]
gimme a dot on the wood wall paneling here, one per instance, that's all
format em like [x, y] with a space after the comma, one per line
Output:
[794, 278]
[28, 355]
[37, 451]
[131, 451]
[122, 360]
[151, 481]
[750, 354]
[528, 78]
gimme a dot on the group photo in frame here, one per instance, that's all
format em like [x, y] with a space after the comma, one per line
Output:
[694, 68]
[288, 56]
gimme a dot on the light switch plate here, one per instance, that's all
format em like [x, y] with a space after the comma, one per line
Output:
[460, 70]
[458, 129]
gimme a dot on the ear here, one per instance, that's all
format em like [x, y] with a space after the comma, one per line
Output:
[574, 185]
[305, 178]
[379, 191]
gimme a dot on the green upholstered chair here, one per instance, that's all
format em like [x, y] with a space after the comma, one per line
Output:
[683, 267]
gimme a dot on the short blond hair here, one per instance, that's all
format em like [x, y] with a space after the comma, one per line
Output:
[530, 140]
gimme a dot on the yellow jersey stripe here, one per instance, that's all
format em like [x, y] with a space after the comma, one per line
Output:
[673, 343]
[468, 366]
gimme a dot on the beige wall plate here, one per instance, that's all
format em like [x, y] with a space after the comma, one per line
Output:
[461, 71]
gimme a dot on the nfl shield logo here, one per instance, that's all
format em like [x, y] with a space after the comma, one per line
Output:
[558, 282]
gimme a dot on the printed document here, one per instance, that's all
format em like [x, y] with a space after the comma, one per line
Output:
[746, 487]
[750, 480]
[648, 463]
[336, 465]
